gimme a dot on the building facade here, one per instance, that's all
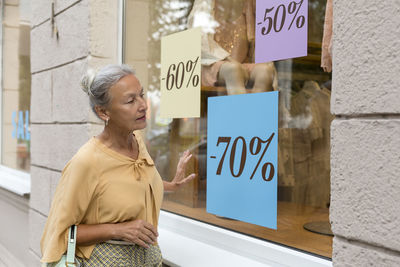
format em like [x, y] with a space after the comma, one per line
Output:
[339, 143]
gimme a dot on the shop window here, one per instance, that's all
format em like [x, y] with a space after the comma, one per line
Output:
[16, 87]
[304, 122]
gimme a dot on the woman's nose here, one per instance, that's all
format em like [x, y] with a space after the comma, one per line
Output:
[143, 104]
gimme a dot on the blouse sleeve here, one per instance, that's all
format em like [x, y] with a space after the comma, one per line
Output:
[71, 200]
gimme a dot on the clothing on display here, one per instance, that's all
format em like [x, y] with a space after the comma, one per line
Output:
[228, 48]
[304, 148]
[202, 16]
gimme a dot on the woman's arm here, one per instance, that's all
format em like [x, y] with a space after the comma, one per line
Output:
[89, 234]
[169, 186]
[139, 232]
[180, 178]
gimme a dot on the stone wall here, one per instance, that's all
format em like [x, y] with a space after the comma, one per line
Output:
[365, 157]
[61, 119]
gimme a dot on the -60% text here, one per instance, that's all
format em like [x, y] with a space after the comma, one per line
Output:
[255, 147]
[176, 75]
[276, 18]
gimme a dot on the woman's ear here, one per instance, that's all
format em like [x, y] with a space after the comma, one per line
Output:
[102, 113]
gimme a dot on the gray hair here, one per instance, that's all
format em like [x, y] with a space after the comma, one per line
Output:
[97, 85]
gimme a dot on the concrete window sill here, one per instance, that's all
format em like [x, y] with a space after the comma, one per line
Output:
[15, 181]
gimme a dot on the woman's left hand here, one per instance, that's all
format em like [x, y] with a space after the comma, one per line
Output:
[180, 178]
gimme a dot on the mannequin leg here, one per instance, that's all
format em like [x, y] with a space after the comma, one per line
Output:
[233, 77]
[265, 78]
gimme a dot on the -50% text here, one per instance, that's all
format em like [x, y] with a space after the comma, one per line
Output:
[275, 18]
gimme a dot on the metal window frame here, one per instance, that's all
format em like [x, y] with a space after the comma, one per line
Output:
[121, 31]
[1, 80]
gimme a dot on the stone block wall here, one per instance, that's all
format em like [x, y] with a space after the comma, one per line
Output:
[365, 157]
[61, 118]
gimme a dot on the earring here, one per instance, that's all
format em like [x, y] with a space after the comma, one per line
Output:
[106, 122]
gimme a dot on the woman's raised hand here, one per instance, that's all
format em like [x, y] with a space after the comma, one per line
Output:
[138, 231]
[180, 177]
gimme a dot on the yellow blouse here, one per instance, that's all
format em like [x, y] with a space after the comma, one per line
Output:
[99, 185]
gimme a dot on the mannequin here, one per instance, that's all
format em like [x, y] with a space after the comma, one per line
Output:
[228, 46]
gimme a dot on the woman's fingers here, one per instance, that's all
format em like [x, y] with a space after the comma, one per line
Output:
[187, 158]
[187, 179]
[140, 232]
[141, 243]
[150, 227]
[150, 234]
[145, 239]
[181, 169]
[185, 155]
[184, 159]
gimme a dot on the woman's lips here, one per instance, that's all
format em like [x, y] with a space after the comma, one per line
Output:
[142, 118]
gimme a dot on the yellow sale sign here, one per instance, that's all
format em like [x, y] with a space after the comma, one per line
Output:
[180, 74]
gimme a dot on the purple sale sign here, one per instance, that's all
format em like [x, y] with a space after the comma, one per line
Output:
[281, 29]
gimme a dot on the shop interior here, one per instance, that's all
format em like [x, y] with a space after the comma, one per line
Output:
[228, 68]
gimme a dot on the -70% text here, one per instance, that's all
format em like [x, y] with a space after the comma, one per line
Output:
[255, 146]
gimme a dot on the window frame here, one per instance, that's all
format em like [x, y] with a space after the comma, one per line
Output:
[1, 80]
[16, 181]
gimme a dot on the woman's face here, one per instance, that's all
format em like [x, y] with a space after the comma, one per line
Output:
[127, 109]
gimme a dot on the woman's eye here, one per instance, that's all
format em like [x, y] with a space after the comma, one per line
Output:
[131, 101]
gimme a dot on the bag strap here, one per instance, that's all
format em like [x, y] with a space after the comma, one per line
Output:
[71, 247]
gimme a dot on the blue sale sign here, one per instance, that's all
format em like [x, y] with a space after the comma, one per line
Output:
[242, 157]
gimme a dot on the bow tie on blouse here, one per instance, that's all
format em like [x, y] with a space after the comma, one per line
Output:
[139, 164]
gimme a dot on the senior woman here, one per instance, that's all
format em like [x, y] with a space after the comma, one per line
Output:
[110, 188]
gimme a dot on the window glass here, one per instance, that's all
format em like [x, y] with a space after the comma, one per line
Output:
[16, 87]
[304, 110]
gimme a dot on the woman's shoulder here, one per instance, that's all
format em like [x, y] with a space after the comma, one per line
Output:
[83, 168]
[86, 156]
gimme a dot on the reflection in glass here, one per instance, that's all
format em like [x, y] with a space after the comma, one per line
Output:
[16, 87]
[228, 68]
